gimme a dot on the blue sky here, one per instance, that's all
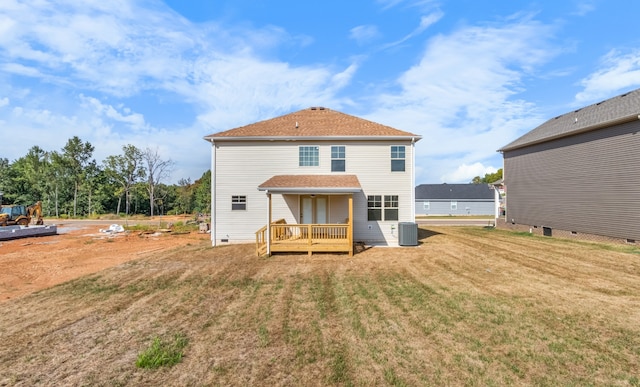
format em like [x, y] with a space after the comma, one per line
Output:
[469, 76]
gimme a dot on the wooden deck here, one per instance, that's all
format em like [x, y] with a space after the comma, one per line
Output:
[310, 238]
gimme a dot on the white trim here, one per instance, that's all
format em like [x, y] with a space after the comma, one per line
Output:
[213, 194]
[413, 178]
[413, 138]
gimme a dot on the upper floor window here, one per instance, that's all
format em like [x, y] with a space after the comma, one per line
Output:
[309, 156]
[397, 158]
[338, 162]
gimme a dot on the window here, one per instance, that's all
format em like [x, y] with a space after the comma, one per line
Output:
[426, 206]
[390, 207]
[454, 206]
[397, 158]
[238, 203]
[309, 156]
[375, 207]
[338, 159]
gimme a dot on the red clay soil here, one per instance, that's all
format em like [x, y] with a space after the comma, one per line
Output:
[31, 264]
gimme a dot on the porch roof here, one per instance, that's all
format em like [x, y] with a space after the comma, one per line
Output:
[312, 184]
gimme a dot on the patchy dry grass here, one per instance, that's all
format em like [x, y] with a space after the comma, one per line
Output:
[469, 306]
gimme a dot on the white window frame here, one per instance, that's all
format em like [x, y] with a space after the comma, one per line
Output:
[238, 203]
[390, 207]
[398, 153]
[340, 154]
[384, 205]
[309, 156]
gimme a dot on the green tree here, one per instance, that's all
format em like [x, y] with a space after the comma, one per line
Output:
[5, 181]
[58, 181]
[184, 201]
[76, 157]
[488, 178]
[202, 193]
[126, 170]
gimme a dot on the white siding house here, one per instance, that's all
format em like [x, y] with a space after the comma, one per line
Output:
[314, 166]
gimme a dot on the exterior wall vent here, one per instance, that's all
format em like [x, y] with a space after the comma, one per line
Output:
[407, 234]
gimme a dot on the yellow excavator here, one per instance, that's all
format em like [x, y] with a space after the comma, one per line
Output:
[21, 215]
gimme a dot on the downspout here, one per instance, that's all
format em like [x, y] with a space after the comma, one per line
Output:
[413, 179]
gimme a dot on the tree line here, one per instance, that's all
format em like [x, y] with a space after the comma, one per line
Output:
[70, 183]
[488, 177]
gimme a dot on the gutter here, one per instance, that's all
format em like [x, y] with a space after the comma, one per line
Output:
[310, 190]
[600, 125]
[212, 138]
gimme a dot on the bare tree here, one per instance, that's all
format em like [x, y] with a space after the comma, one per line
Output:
[157, 170]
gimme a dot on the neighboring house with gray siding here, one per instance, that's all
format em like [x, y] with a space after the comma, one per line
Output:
[454, 199]
[578, 173]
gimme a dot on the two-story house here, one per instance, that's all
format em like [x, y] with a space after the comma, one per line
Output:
[321, 179]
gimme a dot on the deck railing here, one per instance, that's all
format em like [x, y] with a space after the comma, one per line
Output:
[305, 238]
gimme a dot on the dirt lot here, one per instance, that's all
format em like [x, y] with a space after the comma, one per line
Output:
[31, 264]
[468, 306]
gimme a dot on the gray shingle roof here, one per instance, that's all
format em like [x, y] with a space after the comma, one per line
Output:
[616, 110]
[453, 192]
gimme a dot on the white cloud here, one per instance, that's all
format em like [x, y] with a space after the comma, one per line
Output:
[462, 95]
[4, 101]
[465, 173]
[584, 7]
[135, 120]
[364, 34]
[422, 4]
[425, 22]
[101, 53]
[617, 71]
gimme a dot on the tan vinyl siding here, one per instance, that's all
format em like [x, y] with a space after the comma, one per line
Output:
[242, 166]
[587, 183]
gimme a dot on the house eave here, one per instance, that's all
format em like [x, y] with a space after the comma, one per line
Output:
[213, 139]
[311, 190]
[601, 125]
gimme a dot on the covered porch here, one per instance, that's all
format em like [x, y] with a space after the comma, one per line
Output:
[323, 214]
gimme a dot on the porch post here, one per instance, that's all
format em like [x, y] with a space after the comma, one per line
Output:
[350, 226]
[269, 227]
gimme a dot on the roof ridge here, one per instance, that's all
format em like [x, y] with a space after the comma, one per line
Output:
[313, 122]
